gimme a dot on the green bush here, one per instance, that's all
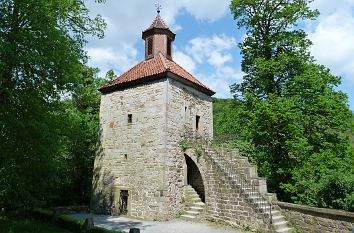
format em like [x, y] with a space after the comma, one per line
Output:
[66, 222]
[69, 223]
[42, 215]
[18, 224]
[336, 191]
[96, 229]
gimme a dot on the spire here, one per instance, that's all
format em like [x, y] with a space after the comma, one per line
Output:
[157, 23]
[158, 38]
[158, 6]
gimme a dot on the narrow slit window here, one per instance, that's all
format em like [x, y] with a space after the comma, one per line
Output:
[130, 118]
[169, 49]
[125, 156]
[197, 121]
[149, 46]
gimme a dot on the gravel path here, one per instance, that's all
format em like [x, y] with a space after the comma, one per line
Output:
[174, 226]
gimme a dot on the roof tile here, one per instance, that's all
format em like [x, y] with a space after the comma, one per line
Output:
[149, 69]
[157, 23]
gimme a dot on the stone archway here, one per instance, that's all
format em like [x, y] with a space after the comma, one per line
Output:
[194, 177]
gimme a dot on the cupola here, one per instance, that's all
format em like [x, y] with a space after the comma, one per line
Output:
[158, 39]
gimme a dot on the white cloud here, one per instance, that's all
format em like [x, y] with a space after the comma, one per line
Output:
[221, 79]
[213, 49]
[333, 35]
[217, 59]
[184, 60]
[207, 9]
[211, 60]
[107, 58]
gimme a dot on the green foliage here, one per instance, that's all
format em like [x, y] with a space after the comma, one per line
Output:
[79, 137]
[41, 57]
[229, 127]
[42, 214]
[96, 229]
[288, 107]
[185, 145]
[12, 225]
[273, 49]
[65, 222]
[69, 223]
[189, 145]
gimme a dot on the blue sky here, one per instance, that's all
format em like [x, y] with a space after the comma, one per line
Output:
[207, 39]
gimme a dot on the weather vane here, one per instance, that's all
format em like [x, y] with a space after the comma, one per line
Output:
[158, 6]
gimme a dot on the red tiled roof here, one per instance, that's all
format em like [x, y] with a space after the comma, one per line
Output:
[152, 69]
[157, 23]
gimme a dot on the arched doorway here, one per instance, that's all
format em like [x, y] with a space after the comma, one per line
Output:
[194, 177]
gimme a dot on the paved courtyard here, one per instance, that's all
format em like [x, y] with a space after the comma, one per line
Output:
[174, 226]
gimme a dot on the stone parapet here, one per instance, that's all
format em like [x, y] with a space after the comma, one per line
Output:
[321, 220]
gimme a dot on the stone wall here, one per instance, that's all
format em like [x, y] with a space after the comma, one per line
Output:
[319, 220]
[144, 156]
[183, 105]
[131, 154]
[223, 201]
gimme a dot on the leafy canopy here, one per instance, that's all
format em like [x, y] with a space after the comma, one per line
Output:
[287, 106]
[41, 61]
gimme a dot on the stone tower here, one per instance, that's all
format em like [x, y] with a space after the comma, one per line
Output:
[140, 168]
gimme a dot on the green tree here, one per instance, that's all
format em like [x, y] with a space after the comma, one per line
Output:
[294, 111]
[79, 140]
[41, 57]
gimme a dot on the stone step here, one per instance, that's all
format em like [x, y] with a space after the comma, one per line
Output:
[280, 225]
[193, 205]
[276, 213]
[285, 230]
[199, 204]
[186, 216]
[196, 208]
[194, 195]
[278, 218]
[192, 212]
[262, 203]
[253, 194]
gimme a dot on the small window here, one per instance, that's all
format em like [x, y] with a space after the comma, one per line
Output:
[125, 156]
[169, 49]
[149, 46]
[197, 121]
[130, 118]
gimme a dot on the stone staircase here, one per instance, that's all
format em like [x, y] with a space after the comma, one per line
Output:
[194, 206]
[279, 224]
[243, 176]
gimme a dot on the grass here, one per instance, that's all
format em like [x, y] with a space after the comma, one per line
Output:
[21, 225]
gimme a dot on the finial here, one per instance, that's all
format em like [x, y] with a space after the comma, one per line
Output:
[158, 6]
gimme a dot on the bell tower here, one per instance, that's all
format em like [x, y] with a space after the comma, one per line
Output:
[140, 169]
[158, 39]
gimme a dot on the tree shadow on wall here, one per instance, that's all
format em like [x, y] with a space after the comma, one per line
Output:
[102, 198]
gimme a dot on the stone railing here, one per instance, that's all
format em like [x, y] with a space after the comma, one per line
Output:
[312, 219]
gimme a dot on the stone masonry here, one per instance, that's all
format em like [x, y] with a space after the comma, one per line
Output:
[318, 220]
[144, 156]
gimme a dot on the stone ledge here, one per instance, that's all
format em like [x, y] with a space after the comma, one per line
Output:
[320, 212]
